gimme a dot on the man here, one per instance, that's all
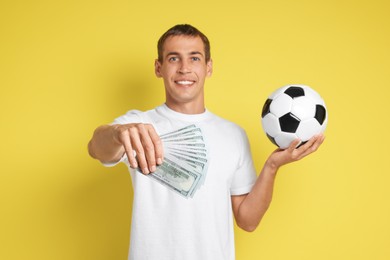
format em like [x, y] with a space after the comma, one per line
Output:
[165, 224]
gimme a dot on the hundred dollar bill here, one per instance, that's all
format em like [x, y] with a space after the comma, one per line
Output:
[176, 177]
[185, 162]
[185, 157]
[188, 133]
[198, 164]
[193, 152]
[178, 131]
[188, 145]
[197, 138]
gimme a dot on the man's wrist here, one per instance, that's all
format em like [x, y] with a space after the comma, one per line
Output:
[271, 166]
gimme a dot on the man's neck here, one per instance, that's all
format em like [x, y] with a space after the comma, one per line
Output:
[187, 108]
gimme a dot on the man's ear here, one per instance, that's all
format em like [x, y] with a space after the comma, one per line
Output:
[157, 68]
[209, 68]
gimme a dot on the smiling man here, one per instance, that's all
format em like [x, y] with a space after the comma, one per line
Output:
[186, 214]
[184, 68]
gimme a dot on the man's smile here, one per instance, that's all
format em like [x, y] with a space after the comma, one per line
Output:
[184, 82]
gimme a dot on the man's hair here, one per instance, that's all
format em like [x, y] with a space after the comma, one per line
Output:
[186, 30]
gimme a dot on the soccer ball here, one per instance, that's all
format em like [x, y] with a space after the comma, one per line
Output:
[292, 112]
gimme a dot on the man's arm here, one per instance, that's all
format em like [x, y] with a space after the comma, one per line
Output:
[249, 209]
[110, 142]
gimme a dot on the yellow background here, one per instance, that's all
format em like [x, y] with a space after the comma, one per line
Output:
[68, 66]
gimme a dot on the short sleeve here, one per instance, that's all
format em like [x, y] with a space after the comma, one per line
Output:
[245, 175]
[132, 116]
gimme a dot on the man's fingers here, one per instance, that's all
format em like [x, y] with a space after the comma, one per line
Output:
[145, 142]
[148, 146]
[294, 145]
[311, 146]
[158, 148]
[124, 138]
[138, 146]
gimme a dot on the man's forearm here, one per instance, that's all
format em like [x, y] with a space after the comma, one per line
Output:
[249, 209]
[256, 203]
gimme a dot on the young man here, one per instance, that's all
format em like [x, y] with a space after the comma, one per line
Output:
[166, 225]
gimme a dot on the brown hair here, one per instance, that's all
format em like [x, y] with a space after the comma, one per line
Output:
[187, 30]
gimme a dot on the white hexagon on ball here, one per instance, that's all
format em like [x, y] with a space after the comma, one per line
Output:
[303, 108]
[281, 105]
[271, 125]
[308, 129]
[284, 139]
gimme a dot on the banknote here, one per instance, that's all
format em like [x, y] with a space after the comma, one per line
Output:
[187, 133]
[178, 132]
[185, 164]
[176, 177]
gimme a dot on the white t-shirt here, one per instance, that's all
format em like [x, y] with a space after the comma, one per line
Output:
[167, 226]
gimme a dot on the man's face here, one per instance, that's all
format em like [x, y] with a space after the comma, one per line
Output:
[184, 70]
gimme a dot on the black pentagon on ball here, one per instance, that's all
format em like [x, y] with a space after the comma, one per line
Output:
[320, 114]
[266, 107]
[295, 91]
[289, 123]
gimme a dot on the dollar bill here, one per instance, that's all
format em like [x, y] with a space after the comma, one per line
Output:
[188, 133]
[184, 129]
[185, 164]
[176, 177]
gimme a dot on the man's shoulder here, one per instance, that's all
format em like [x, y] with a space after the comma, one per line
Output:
[134, 116]
[227, 125]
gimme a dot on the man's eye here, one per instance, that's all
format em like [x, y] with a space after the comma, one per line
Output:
[173, 59]
[195, 58]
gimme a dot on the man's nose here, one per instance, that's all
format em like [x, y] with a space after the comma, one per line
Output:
[185, 67]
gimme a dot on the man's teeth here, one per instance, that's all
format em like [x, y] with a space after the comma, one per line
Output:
[184, 82]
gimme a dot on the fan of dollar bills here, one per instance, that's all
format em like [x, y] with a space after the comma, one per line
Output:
[185, 161]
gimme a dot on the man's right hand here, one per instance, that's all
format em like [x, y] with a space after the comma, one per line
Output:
[141, 144]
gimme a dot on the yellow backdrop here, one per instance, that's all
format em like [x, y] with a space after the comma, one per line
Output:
[68, 66]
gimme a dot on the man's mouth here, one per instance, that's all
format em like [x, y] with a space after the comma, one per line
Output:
[184, 82]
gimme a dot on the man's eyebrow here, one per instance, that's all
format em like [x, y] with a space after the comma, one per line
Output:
[173, 53]
[196, 53]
